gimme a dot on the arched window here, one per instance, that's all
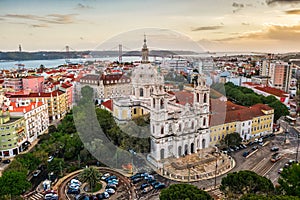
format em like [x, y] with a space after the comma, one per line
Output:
[179, 127]
[203, 144]
[205, 98]
[179, 151]
[192, 148]
[204, 121]
[141, 92]
[162, 130]
[192, 124]
[151, 90]
[198, 97]
[161, 104]
[153, 103]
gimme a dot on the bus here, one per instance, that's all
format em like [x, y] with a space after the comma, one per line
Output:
[291, 120]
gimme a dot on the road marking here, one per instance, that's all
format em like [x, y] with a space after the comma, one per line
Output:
[269, 169]
[258, 164]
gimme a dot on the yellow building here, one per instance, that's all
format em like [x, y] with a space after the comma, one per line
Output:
[12, 134]
[249, 122]
[57, 102]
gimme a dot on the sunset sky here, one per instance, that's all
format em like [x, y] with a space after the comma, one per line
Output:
[216, 25]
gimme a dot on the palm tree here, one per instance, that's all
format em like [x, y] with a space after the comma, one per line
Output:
[90, 175]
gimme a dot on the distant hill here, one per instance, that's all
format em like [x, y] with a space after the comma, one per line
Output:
[48, 55]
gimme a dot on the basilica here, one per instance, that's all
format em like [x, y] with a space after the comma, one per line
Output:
[179, 121]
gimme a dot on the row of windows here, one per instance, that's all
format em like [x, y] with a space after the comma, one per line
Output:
[261, 127]
[215, 138]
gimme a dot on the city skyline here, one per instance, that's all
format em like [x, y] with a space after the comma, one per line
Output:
[218, 25]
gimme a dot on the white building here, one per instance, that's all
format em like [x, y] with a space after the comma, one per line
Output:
[177, 127]
[35, 115]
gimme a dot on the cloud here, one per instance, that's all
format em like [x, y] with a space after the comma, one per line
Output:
[39, 25]
[41, 20]
[271, 32]
[245, 24]
[238, 5]
[276, 2]
[82, 6]
[206, 28]
[293, 12]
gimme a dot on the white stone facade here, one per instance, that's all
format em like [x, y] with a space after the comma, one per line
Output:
[178, 130]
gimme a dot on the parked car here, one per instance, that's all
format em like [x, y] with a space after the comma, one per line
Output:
[111, 186]
[110, 191]
[144, 185]
[272, 135]
[147, 189]
[159, 186]
[280, 170]
[151, 181]
[134, 181]
[254, 148]
[246, 153]
[50, 158]
[100, 196]
[114, 182]
[36, 172]
[110, 178]
[275, 149]
[138, 175]
[7, 161]
[150, 177]
[105, 176]
[73, 191]
[106, 195]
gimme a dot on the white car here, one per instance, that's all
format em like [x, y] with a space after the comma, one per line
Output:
[50, 158]
[36, 172]
[110, 191]
[106, 195]
[105, 176]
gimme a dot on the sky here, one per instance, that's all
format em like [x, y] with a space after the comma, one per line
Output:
[209, 25]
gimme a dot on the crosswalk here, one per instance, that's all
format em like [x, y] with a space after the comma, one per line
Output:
[36, 196]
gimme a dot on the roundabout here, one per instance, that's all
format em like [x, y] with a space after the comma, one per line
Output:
[123, 191]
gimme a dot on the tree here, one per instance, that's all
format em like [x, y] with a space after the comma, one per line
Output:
[232, 139]
[279, 109]
[56, 165]
[13, 183]
[239, 183]
[289, 180]
[90, 175]
[264, 197]
[184, 191]
[29, 161]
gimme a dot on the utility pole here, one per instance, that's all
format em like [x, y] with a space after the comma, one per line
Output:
[297, 147]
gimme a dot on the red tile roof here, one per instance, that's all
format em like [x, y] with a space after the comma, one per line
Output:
[184, 97]
[273, 91]
[229, 112]
[16, 108]
[33, 95]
